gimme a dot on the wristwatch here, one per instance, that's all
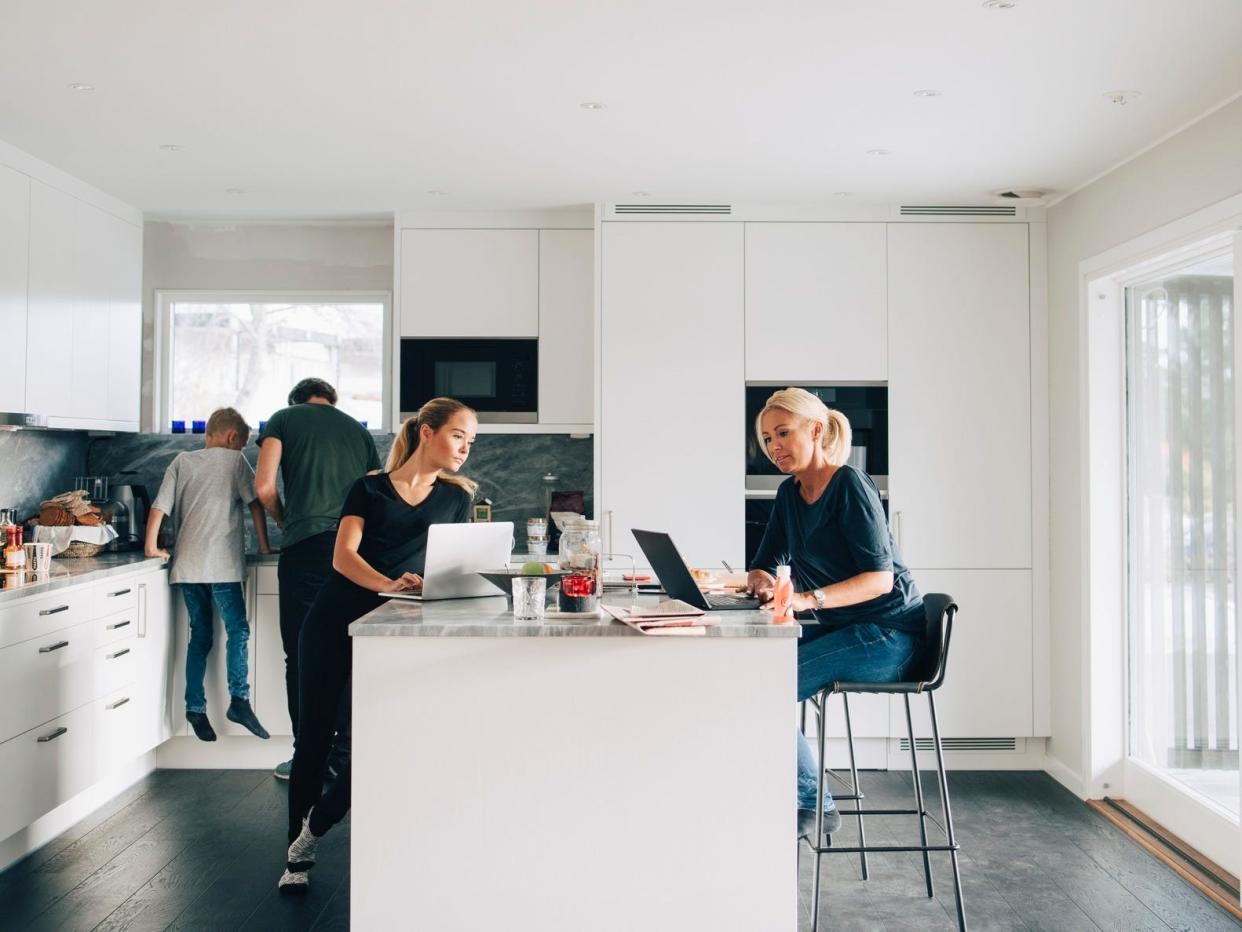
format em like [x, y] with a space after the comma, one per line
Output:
[820, 601]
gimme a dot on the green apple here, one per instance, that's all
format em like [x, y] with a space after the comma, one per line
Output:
[534, 569]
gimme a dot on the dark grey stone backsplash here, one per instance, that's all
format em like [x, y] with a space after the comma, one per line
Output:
[37, 464]
[508, 467]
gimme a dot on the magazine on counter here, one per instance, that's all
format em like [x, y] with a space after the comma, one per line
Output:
[667, 617]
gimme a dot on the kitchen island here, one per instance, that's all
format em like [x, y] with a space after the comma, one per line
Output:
[571, 776]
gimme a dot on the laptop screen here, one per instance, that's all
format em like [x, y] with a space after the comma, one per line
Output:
[669, 567]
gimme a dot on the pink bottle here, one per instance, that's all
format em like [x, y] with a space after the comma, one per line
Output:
[782, 597]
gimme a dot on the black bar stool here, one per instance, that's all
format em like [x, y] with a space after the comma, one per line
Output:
[928, 677]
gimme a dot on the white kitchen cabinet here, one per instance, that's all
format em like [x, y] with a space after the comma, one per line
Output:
[960, 394]
[83, 334]
[14, 256]
[44, 767]
[816, 302]
[469, 283]
[156, 661]
[271, 700]
[672, 401]
[566, 326]
[117, 730]
[45, 676]
[988, 687]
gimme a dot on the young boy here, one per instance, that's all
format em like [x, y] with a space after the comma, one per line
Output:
[205, 490]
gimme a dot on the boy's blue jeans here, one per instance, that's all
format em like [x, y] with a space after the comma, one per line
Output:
[862, 653]
[228, 597]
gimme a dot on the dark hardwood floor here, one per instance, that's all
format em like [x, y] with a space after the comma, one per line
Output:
[202, 849]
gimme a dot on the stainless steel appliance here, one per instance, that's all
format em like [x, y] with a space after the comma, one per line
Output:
[499, 378]
[129, 505]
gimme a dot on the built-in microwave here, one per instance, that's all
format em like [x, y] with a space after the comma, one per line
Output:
[498, 378]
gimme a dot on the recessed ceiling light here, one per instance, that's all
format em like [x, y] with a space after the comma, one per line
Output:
[591, 105]
[1121, 98]
[172, 148]
[235, 191]
[878, 152]
[927, 92]
[842, 193]
[436, 192]
[80, 87]
[999, 4]
[641, 193]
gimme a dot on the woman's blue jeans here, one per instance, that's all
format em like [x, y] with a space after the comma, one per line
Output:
[198, 598]
[861, 653]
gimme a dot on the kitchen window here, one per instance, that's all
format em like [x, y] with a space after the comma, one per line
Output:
[246, 351]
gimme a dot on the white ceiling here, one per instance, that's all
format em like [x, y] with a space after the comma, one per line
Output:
[330, 108]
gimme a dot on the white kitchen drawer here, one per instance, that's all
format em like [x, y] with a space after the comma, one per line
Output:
[45, 766]
[116, 627]
[115, 732]
[37, 617]
[267, 581]
[116, 596]
[45, 677]
[115, 666]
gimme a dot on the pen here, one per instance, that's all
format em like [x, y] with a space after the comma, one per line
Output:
[727, 566]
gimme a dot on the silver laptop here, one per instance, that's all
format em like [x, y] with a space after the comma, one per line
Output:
[455, 554]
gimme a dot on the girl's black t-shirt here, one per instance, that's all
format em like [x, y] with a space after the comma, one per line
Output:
[394, 533]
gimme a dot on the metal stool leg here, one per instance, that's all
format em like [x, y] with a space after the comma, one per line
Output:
[819, 814]
[918, 795]
[849, 739]
[948, 814]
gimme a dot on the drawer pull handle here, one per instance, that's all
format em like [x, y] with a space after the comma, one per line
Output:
[54, 735]
[120, 624]
[51, 647]
[54, 611]
[119, 653]
[117, 704]
[113, 595]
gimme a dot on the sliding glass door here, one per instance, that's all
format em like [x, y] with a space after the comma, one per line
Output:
[1182, 765]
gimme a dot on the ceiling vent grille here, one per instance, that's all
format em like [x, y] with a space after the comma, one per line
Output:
[963, 744]
[997, 211]
[715, 210]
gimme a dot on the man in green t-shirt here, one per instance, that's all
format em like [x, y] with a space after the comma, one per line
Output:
[320, 452]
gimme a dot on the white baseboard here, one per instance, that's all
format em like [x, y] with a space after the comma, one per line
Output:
[44, 829]
[229, 752]
[1070, 779]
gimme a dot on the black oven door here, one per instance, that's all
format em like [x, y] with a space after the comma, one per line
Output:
[498, 378]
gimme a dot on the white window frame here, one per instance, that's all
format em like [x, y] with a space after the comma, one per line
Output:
[162, 368]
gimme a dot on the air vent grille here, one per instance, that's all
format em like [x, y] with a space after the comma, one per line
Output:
[999, 210]
[691, 209]
[963, 744]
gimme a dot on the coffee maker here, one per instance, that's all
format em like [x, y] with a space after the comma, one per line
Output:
[129, 505]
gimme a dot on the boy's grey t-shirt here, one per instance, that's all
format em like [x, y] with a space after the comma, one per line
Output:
[206, 492]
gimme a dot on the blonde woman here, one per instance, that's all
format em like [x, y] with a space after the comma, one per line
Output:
[828, 525]
[381, 546]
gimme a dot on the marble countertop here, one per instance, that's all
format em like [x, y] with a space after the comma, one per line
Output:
[493, 618]
[74, 572]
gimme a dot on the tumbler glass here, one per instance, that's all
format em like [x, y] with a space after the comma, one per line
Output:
[529, 594]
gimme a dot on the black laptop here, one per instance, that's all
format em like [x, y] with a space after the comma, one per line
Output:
[673, 574]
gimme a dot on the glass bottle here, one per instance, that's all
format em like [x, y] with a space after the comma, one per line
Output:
[579, 557]
[14, 553]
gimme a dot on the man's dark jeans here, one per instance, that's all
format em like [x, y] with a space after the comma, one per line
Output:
[303, 569]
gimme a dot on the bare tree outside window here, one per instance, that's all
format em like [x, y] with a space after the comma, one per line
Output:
[249, 354]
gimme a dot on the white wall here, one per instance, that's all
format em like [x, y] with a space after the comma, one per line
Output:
[1194, 169]
[198, 256]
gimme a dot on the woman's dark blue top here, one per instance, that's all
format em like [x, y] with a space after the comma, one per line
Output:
[841, 534]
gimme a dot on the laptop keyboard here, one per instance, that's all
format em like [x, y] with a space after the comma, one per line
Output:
[721, 600]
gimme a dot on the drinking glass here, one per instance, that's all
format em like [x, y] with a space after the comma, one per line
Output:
[529, 594]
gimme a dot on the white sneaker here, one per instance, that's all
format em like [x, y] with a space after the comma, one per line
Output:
[302, 851]
[297, 882]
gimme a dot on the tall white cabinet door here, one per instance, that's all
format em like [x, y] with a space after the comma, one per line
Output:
[672, 399]
[14, 236]
[566, 326]
[93, 253]
[124, 297]
[988, 687]
[816, 303]
[960, 394]
[53, 293]
[469, 283]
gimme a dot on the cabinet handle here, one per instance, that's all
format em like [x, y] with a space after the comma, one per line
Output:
[52, 647]
[113, 595]
[142, 610]
[120, 624]
[54, 611]
[897, 528]
[54, 735]
[117, 704]
[119, 653]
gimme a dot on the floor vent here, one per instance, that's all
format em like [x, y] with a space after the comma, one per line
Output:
[997, 211]
[963, 744]
[715, 210]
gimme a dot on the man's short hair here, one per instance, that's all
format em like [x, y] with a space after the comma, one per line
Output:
[307, 389]
[225, 419]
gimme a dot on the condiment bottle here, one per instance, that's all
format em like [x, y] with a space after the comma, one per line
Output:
[14, 553]
[782, 597]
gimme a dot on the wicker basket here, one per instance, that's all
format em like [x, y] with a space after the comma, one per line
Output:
[80, 549]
